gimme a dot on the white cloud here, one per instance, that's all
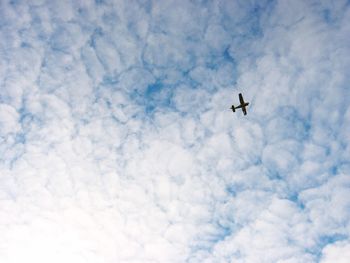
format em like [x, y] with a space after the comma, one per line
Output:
[337, 252]
[9, 119]
[117, 143]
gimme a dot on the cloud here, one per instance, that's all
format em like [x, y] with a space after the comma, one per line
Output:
[337, 252]
[117, 143]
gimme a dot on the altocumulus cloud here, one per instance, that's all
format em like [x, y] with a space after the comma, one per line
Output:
[117, 144]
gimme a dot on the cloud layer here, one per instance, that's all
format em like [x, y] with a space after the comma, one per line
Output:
[117, 143]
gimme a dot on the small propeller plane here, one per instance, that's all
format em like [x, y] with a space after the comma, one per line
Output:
[242, 105]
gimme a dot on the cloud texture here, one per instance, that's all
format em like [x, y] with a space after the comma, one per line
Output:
[117, 143]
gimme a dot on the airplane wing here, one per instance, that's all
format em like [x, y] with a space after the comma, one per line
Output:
[241, 98]
[244, 110]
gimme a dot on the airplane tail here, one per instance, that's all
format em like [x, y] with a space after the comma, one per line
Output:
[233, 108]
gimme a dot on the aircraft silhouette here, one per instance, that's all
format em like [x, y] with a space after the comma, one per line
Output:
[241, 106]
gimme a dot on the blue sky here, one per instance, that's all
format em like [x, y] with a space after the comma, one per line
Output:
[117, 143]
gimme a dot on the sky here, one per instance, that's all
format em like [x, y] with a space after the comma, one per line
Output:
[117, 143]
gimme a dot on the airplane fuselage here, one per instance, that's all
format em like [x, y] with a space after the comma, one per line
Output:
[242, 105]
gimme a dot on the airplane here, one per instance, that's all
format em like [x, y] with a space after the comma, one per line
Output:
[242, 105]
